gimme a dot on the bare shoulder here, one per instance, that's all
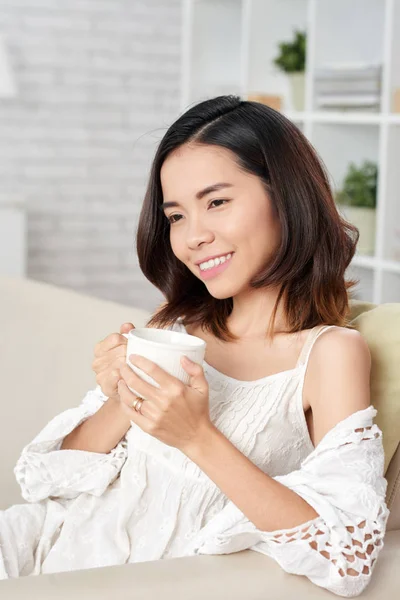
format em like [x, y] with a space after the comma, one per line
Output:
[338, 377]
[342, 346]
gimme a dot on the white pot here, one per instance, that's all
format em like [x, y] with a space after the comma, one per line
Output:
[297, 86]
[365, 220]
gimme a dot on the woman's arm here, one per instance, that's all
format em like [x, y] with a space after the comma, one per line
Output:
[44, 470]
[101, 432]
[327, 520]
[105, 429]
[341, 367]
[342, 479]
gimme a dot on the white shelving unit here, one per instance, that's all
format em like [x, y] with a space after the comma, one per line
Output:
[229, 46]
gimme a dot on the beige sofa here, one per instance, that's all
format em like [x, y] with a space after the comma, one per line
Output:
[46, 349]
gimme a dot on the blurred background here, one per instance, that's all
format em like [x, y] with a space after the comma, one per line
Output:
[89, 87]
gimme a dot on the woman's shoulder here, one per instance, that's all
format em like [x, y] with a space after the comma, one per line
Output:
[343, 341]
[337, 350]
[338, 375]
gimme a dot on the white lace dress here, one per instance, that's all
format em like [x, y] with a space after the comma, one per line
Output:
[147, 501]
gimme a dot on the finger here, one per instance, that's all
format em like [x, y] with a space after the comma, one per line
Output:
[126, 328]
[197, 380]
[108, 382]
[147, 409]
[141, 387]
[163, 378]
[115, 373]
[111, 341]
[127, 398]
[116, 356]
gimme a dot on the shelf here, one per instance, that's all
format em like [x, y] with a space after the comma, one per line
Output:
[352, 117]
[342, 118]
[371, 262]
[263, 37]
[243, 37]
[344, 144]
[367, 262]
[391, 266]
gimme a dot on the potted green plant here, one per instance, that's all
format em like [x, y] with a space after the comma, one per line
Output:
[292, 60]
[358, 200]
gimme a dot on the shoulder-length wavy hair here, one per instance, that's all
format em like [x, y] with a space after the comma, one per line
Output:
[317, 244]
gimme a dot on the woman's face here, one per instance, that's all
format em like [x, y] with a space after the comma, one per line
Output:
[238, 218]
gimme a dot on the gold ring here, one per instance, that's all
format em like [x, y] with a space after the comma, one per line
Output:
[137, 404]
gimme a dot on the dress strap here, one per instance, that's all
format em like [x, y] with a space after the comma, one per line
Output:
[314, 333]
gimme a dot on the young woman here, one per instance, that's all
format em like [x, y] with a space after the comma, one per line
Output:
[272, 446]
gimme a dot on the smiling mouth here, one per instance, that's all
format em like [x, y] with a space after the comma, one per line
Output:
[216, 269]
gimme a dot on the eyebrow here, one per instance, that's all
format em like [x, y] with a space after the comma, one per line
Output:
[208, 190]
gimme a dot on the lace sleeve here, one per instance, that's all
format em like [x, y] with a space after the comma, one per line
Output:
[342, 479]
[43, 470]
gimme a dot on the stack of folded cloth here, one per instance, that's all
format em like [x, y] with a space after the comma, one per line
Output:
[348, 86]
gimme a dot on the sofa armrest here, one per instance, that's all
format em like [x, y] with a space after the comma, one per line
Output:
[393, 492]
[244, 575]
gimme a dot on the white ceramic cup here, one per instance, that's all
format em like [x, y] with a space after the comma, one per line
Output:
[165, 348]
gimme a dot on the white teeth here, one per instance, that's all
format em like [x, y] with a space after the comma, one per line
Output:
[214, 262]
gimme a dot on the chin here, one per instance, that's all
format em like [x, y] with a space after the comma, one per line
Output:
[221, 294]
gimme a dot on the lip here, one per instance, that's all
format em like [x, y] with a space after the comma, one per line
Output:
[215, 271]
[198, 262]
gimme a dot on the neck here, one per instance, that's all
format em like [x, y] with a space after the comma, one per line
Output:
[252, 312]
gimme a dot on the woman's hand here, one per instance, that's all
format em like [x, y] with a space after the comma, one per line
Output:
[175, 413]
[110, 355]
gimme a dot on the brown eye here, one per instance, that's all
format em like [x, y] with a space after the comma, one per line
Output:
[212, 201]
[170, 219]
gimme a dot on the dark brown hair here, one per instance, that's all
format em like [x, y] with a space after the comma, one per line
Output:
[317, 244]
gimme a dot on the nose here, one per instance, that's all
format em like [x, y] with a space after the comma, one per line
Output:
[198, 233]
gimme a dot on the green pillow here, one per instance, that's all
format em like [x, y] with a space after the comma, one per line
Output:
[380, 326]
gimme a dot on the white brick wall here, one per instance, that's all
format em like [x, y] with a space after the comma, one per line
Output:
[98, 85]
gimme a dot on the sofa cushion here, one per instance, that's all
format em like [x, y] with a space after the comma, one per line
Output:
[47, 340]
[380, 326]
